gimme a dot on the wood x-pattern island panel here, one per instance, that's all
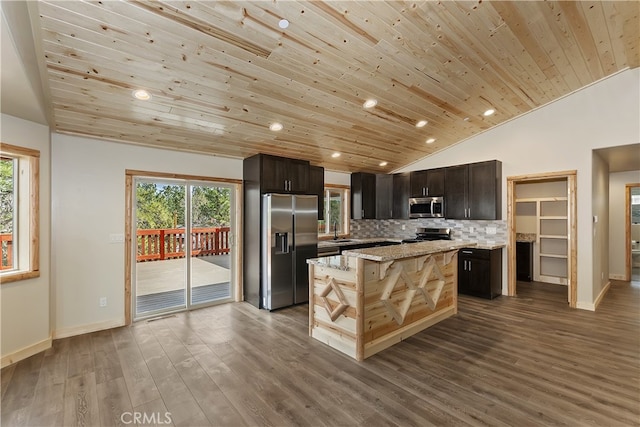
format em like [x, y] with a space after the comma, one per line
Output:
[370, 299]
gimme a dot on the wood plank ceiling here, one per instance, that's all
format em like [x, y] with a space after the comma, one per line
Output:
[220, 72]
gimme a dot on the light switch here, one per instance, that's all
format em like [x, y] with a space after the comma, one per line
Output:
[116, 238]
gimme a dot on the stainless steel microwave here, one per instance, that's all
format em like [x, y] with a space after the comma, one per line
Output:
[426, 207]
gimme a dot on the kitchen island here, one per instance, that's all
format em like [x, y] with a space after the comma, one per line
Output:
[366, 300]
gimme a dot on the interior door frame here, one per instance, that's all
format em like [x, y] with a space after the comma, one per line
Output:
[627, 230]
[572, 262]
[236, 239]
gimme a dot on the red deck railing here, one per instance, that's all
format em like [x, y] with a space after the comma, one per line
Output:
[168, 243]
[6, 241]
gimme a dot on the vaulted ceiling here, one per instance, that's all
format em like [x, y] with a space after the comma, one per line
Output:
[220, 72]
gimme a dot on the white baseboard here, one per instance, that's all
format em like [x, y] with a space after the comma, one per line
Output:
[591, 306]
[603, 292]
[28, 351]
[586, 306]
[616, 277]
[85, 329]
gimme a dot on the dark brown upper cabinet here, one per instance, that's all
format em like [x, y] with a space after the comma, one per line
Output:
[316, 186]
[473, 191]
[401, 190]
[428, 182]
[384, 196]
[363, 195]
[284, 175]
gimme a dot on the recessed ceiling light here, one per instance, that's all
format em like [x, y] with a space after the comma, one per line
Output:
[466, 119]
[489, 112]
[421, 123]
[283, 23]
[370, 103]
[275, 126]
[142, 95]
[334, 155]
[383, 163]
[431, 140]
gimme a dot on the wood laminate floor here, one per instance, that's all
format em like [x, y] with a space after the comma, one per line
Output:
[523, 361]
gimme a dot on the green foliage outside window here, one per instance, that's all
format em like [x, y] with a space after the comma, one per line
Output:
[163, 206]
[6, 195]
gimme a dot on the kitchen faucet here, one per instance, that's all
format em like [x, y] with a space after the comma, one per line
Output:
[335, 230]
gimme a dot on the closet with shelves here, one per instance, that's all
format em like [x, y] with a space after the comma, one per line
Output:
[542, 209]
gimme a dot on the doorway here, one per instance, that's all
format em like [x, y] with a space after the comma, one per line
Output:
[180, 243]
[558, 265]
[632, 232]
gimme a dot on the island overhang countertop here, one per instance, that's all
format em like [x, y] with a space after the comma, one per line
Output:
[407, 250]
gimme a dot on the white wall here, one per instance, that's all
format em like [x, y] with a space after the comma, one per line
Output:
[88, 188]
[25, 319]
[558, 137]
[600, 223]
[617, 183]
[339, 178]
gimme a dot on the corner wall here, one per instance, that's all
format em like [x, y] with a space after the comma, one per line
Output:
[600, 227]
[88, 189]
[25, 324]
[559, 137]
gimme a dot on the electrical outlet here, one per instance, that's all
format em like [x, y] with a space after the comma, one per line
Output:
[404, 227]
[491, 230]
[470, 229]
[103, 301]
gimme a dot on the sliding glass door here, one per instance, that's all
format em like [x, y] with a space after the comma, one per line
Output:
[183, 245]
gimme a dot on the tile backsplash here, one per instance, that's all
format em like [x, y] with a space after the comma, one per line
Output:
[480, 231]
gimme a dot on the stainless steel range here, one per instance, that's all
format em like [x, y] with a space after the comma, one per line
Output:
[425, 234]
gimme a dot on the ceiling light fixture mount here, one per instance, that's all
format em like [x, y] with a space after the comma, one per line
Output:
[421, 123]
[141, 94]
[370, 103]
[489, 112]
[283, 23]
[431, 140]
[335, 155]
[383, 163]
[275, 127]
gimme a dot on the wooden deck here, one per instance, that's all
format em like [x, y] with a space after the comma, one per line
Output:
[521, 361]
[160, 284]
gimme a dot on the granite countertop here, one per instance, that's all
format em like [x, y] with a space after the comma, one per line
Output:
[526, 237]
[348, 242]
[408, 250]
[489, 245]
[337, 262]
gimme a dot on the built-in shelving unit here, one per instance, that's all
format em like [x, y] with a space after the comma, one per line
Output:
[548, 218]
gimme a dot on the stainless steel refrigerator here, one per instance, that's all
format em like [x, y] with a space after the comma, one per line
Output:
[290, 237]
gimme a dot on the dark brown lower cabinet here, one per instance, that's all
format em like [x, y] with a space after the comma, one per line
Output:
[480, 272]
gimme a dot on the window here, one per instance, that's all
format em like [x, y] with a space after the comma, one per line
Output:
[336, 211]
[19, 221]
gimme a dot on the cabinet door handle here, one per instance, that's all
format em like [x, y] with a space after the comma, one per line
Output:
[465, 265]
[362, 213]
[469, 212]
[469, 265]
[427, 191]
